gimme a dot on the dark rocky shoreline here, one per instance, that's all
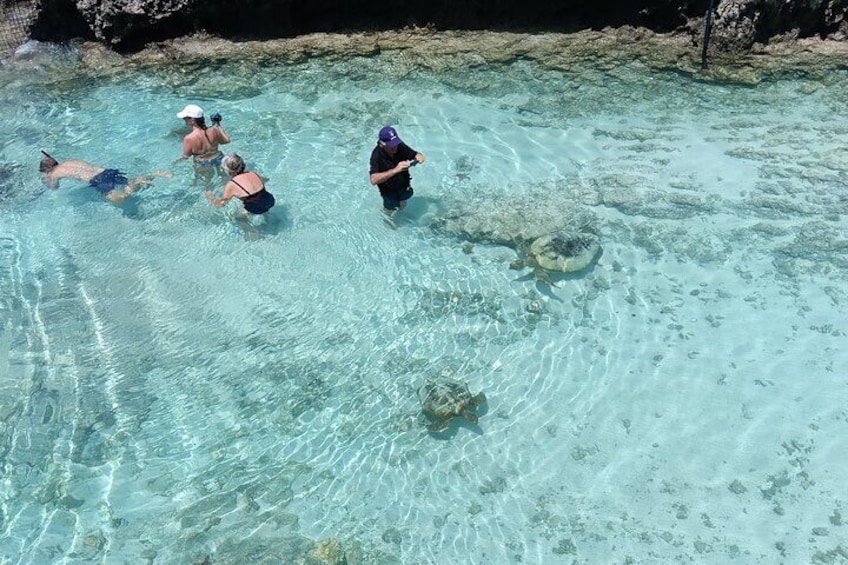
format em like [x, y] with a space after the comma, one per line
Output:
[129, 25]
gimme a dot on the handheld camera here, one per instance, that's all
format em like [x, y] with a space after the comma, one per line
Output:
[215, 118]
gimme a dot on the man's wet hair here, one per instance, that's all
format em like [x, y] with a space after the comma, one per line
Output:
[47, 164]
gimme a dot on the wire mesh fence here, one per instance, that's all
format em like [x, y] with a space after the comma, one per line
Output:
[16, 17]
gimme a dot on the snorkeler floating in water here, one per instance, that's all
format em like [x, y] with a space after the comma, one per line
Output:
[111, 183]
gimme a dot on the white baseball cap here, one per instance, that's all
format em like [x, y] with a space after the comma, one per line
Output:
[191, 111]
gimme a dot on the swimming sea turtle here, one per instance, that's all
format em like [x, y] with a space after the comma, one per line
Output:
[444, 399]
[561, 252]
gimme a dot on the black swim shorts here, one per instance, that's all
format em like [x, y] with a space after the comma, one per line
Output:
[108, 180]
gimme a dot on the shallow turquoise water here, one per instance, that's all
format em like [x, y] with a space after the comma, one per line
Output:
[172, 389]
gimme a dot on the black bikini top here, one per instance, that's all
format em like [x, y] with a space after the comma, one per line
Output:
[248, 195]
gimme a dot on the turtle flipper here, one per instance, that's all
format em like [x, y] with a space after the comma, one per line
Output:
[480, 399]
[470, 416]
[440, 425]
[543, 276]
[524, 278]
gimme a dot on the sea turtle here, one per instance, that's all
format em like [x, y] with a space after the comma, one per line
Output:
[444, 399]
[561, 252]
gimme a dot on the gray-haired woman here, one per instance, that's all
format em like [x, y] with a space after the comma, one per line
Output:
[245, 186]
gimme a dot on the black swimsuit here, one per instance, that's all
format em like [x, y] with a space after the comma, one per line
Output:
[108, 180]
[258, 202]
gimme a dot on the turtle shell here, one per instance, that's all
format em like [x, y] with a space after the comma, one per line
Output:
[445, 398]
[564, 252]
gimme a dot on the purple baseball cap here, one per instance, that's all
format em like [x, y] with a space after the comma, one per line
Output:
[389, 136]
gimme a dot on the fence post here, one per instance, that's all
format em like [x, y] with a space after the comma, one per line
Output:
[708, 28]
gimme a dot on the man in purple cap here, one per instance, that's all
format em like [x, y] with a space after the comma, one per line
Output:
[390, 162]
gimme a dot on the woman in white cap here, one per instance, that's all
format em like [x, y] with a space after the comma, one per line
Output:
[202, 143]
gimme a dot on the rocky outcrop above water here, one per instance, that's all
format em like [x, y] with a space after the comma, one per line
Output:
[129, 24]
[411, 50]
[424, 48]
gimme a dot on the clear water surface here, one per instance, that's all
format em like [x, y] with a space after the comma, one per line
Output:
[174, 388]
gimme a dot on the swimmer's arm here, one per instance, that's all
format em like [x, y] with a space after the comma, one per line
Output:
[223, 138]
[219, 202]
[226, 197]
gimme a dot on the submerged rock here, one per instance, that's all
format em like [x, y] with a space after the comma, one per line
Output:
[326, 552]
[551, 229]
[514, 220]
